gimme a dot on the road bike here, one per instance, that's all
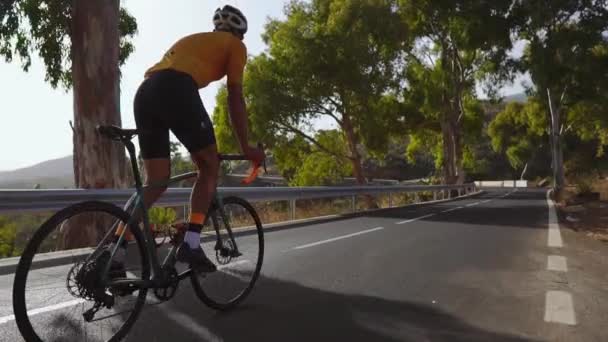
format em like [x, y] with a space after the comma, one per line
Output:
[63, 292]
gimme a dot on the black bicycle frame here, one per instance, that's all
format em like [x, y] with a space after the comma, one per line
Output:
[136, 203]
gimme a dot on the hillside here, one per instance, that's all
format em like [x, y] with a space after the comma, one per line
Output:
[55, 173]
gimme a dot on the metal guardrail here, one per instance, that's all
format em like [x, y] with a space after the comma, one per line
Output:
[50, 200]
[502, 184]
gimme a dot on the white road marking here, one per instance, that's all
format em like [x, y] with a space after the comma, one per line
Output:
[448, 210]
[486, 201]
[338, 238]
[54, 307]
[240, 262]
[38, 311]
[195, 326]
[555, 237]
[415, 219]
[559, 308]
[557, 263]
[472, 204]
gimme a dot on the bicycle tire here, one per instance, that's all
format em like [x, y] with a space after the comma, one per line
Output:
[198, 289]
[19, 287]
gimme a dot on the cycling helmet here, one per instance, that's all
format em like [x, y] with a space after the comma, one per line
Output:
[231, 19]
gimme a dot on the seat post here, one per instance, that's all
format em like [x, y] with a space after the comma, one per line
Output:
[131, 149]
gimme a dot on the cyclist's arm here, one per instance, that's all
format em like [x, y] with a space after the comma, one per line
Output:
[238, 114]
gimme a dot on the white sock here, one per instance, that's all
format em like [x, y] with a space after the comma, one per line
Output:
[121, 253]
[193, 239]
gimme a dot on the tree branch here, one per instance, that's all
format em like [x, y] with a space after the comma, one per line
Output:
[312, 140]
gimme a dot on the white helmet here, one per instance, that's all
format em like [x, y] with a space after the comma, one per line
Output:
[230, 18]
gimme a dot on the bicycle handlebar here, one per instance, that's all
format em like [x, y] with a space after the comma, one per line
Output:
[254, 171]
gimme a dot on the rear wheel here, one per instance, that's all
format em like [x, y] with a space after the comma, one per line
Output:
[238, 266]
[58, 290]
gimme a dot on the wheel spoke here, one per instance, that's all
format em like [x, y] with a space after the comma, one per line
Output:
[42, 292]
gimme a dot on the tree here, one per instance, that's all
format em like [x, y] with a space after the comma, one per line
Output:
[457, 43]
[328, 59]
[520, 131]
[82, 44]
[566, 57]
[304, 164]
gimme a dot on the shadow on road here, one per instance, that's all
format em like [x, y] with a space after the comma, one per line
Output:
[285, 311]
[523, 210]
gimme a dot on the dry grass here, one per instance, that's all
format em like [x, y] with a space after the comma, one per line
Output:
[590, 216]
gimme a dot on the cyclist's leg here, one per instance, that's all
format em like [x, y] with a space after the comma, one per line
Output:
[153, 142]
[192, 126]
[154, 135]
[207, 162]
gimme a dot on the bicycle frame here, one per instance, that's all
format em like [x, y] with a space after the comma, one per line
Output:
[136, 203]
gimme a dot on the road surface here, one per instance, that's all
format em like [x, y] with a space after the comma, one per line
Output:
[485, 268]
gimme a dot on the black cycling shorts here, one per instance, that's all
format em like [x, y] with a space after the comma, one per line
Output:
[169, 100]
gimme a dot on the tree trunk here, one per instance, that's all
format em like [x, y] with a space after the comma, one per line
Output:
[449, 172]
[558, 158]
[98, 162]
[458, 153]
[352, 141]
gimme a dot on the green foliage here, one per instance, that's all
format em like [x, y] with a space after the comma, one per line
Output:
[304, 164]
[302, 76]
[519, 131]
[44, 26]
[162, 216]
[16, 230]
[8, 234]
[179, 164]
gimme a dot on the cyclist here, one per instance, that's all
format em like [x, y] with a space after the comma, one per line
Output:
[168, 100]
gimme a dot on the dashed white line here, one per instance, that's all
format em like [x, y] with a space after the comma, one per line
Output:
[452, 209]
[415, 219]
[557, 263]
[193, 325]
[472, 204]
[486, 201]
[338, 238]
[559, 308]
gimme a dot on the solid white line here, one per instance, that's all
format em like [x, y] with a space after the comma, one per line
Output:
[559, 308]
[338, 238]
[557, 263]
[38, 311]
[555, 237]
[448, 210]
[415, 219]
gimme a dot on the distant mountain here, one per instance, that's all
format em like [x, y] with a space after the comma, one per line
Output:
[518, 97]
[55, 173]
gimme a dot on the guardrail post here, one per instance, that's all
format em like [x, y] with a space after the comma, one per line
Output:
[390, 199]
[434, 195]
[416, 198]
[459, 192]
[292, 209]
[353, 203]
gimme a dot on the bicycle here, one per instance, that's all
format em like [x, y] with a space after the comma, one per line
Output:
[94, 287]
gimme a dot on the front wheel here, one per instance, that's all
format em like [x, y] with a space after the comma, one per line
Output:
[59, 283]
[238, 262]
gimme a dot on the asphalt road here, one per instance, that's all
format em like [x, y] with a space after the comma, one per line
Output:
[477, 269]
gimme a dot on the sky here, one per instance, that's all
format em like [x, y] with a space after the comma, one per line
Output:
[34, 118]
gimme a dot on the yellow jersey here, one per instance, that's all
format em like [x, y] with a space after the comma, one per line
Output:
[207, 57]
